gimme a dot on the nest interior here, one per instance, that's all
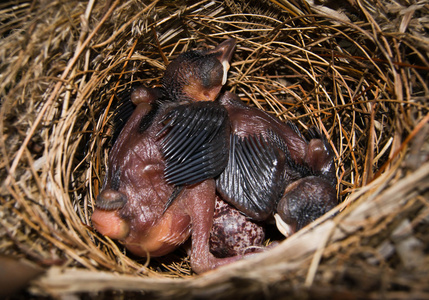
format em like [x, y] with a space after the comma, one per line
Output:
[357, 71]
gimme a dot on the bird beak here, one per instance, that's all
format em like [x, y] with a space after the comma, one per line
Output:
[225, 51]
[284, 228]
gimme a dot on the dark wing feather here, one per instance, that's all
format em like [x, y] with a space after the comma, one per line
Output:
[294, 128]
[293, 170]
[122, 113]
[195, 142]
[314, 133]
[252, 180]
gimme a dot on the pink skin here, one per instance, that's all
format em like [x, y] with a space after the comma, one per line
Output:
[133, 212]
[247, 120]
[131, 206]
[139, 222]
[303, 200]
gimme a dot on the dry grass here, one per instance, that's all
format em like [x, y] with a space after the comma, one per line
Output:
[359, 73]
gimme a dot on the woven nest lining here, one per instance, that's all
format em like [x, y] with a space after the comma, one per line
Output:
[358, 73]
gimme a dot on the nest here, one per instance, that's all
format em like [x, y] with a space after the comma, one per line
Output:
[357, 71]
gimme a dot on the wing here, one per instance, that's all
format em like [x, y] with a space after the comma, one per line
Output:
[252, 180]
[293, 170]
[195, 142]
[122, 113]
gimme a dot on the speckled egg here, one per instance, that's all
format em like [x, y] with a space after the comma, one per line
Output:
[233, 233]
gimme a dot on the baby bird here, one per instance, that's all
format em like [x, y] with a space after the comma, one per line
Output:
[257, 156]
[195, 144]
[160, 186]
[134, 205]
[272, 169]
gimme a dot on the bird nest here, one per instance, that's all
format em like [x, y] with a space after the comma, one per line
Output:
[357, 71]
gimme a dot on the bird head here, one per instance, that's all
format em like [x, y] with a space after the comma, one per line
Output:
[198, 75]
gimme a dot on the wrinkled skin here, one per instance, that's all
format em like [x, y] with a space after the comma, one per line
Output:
[301, 179]
[131, 205]
[136, 205]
